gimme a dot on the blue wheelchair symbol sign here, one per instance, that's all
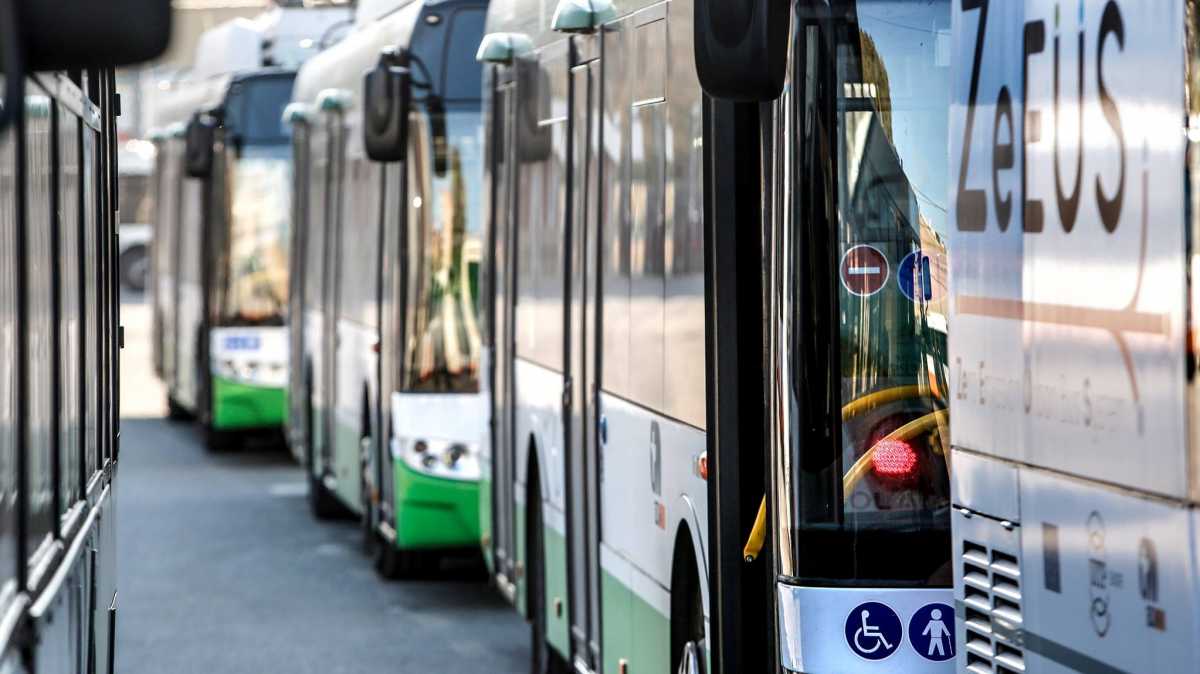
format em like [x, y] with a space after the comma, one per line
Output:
[915, 277]
[931, 631]
[873, 630]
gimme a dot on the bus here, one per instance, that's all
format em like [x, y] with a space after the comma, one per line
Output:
[221, 251]
[719, 334]
[59, 408]
[1073, 356]
[388, 409]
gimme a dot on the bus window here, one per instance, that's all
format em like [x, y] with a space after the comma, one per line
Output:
[136, 202]
[255, 258]
[462, 76]
[872, 491]
[445, 255]
[8, 381]
[254, 109]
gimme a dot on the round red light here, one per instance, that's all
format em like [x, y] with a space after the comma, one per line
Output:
[894, 459]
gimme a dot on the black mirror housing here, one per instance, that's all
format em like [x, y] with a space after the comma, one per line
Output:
[741, 47]
[387, 93]
[199, 154]
[66, 34]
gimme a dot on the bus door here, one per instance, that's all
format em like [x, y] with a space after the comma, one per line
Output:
[503, 245]
[166, 253]
[297, 254]
[858, 371]
[580, 397]
[333, 236]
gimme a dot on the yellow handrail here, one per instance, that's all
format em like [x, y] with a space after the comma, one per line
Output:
[758, 533]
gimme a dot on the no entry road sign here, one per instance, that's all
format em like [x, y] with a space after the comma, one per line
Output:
[864, 270]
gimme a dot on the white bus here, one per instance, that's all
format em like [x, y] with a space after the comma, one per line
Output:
[223, 223]
[387, 410]
[700, 302]
[1073, 203]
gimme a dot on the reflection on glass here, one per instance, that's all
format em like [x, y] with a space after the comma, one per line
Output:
[256, 254]
[884, 489]
[446, 250]
[136, 202]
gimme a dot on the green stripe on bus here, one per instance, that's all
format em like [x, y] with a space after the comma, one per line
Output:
[634, 630]
[433, 512]
[243, 406]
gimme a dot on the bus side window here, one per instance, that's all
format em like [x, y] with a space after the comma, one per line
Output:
[8, 383]
[39, 382]
[70, 339]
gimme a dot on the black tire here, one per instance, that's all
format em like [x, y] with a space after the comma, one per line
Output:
[175, 411]
[134, 266]
[687, 612]
[367, 522]
[322, 504]
[393, 563]
[219, 441]
[543, 659]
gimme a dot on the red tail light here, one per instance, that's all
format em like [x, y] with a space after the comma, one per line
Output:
[895, 459]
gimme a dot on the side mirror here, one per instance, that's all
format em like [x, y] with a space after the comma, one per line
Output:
[741, 47]
[201, 136]
[69, 34]
[387, 93]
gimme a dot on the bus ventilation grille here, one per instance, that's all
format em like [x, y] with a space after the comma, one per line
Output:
[992, 604]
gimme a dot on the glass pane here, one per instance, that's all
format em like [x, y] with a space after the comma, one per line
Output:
[254, 109]
[884, 486]
[445, 253]
[256, 263]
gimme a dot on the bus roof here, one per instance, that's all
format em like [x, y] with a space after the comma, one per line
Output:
[532, 18]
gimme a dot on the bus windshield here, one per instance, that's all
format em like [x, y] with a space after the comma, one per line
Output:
[254, 262]
[254, 109]
[874, 497]
[445, 251]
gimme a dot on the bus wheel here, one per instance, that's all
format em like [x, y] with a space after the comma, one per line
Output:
[320, 501]
[543, 660]
[217, 440]
[687, 611]
[367, 521]
[395, 564]
[175, 411]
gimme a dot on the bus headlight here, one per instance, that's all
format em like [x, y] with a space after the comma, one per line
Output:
[250, 371]
[439, 458]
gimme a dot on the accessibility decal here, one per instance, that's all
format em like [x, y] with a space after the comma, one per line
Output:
[931, 631]
[873, 630]
[864, 270]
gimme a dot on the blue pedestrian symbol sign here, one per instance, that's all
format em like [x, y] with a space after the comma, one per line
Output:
[931, 631]
[915, 276]
[873, 630]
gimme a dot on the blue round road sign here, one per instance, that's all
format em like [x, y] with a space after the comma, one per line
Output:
[931, 631]
[873, 630]
[915, 277]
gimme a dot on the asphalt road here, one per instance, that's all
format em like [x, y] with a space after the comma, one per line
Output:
[222, 569]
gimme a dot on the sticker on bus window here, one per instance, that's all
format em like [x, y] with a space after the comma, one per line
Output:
[864, 270]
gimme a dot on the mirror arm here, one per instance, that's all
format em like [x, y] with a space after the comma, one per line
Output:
[14, 65]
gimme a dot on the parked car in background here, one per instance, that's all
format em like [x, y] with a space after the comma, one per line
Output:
[135, 163]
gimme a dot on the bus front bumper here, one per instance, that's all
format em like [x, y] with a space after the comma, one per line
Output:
[435, 512]
[241, 406]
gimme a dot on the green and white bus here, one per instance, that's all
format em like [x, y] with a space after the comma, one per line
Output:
[388, 412]
[703, 299]
[221, 251]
